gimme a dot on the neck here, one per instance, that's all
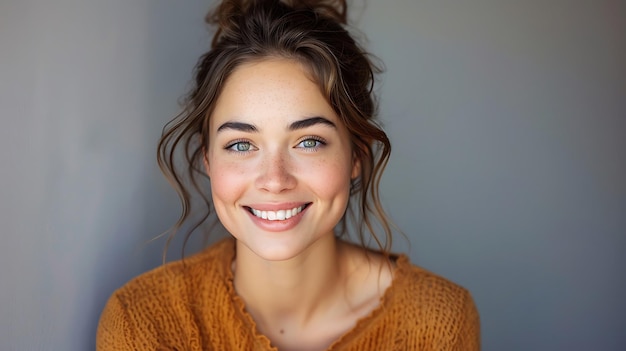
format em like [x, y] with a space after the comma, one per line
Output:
[291, 291]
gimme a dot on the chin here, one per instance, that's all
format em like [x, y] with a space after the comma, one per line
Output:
[275, 249]
[278, 252]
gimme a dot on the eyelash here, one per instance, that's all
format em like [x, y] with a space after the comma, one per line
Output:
[230, 146]
[320, 142]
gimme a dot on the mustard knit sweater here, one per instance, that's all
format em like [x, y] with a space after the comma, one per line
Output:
[191, 305]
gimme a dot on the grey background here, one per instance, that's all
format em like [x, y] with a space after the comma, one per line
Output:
[508, 122]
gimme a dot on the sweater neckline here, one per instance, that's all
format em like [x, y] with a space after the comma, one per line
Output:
[402, 265]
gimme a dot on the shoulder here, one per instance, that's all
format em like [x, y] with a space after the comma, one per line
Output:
[176, 278]
[428, 286]
[165, 298]
[432, 304]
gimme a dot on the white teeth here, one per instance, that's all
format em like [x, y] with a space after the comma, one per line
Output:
[279, 215]
[271, 215]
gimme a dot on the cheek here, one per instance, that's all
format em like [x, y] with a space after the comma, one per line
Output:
[228, 181]
[329, 178]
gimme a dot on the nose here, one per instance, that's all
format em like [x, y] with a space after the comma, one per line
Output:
[276, 173]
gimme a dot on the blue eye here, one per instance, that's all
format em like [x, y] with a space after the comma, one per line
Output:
[240, 146]
[311, 144]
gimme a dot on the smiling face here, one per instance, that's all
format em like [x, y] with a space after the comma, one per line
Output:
[279, 159]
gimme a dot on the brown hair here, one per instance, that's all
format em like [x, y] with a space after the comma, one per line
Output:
[312, 33]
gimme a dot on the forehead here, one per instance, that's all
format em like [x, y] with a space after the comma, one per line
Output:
[270, 89]
[272, 70]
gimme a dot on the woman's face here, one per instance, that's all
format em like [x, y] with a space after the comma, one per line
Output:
[279, 159]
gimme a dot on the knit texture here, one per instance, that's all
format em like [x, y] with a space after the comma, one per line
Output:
[191, 305]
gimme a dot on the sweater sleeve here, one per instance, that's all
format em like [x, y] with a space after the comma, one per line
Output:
[469, 332]
[117, 332]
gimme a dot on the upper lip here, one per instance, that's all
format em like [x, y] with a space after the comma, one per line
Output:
[277, 206]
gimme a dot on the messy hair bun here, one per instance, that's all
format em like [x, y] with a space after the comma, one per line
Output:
[313, 34]
[228, 15]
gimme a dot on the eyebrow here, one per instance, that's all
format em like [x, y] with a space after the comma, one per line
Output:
[308, 122]
[240, 126]
[301, 124]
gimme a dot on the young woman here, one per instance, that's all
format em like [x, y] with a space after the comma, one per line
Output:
[281, 121]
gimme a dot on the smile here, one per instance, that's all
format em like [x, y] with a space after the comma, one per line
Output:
[279, 215]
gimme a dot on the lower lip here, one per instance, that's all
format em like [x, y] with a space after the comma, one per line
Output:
[277, 226]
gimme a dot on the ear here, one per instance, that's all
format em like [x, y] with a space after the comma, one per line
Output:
[356, 166]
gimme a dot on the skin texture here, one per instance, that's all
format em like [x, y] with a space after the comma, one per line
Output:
[302, 286]
[278, 170]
